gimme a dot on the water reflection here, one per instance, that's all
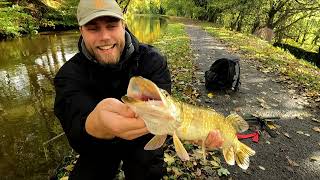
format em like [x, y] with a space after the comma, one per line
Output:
[26, 95]
[27, 68]
[146, 28]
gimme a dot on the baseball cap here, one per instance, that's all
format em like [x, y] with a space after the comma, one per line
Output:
[91, 9]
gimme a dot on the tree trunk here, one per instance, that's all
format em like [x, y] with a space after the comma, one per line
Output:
[126, 7]
[234, 23]
[256, 25]
[239, 24]
[315, 40]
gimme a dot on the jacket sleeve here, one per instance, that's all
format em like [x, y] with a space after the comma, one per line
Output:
[72, 106]
[156, 69]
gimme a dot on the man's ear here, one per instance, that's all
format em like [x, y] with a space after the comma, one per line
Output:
[80, 28]
[123, 24]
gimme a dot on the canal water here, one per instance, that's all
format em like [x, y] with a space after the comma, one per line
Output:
[27, 122]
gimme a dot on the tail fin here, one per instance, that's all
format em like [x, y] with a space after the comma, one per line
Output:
[242, 155]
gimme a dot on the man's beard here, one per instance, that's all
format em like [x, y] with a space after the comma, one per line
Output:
[111, 60]
[108, 59]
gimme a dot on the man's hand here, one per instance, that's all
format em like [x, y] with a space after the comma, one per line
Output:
[213, 140]
[112, 118]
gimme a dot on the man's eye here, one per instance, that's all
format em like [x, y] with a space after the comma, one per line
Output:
[113, 25]
[92, 29]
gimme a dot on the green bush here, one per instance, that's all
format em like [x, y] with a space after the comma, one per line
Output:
[14, 22]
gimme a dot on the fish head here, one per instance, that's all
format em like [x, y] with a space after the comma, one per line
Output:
[153, 104]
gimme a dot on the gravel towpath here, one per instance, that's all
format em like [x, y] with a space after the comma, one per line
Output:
[295, 152]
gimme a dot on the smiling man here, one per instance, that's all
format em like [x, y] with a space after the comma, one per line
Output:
[102, 129]
[104, 38]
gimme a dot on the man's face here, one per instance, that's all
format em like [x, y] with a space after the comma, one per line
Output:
[104, 38]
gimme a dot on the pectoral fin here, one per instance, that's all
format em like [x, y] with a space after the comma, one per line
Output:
[181, 151]
[238, 122]
[156, 142]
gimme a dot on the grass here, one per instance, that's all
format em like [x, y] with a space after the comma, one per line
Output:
[175, 45]
[273, 59]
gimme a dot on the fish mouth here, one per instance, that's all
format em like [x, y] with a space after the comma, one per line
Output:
[152, 104]
[144, 90]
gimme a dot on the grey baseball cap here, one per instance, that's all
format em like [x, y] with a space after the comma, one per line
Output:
[91, 9]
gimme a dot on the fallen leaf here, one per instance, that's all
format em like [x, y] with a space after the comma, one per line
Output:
[287, 135]
[189, 164]
[262, 168]
[197, 154]
[64, 178]
[215, 158]
[198, 172]
[272, 125]
[261, 100]
[315, 120]
[222, 171]
[209, 170]
[315, 158]
[300, 132]
[215, 164]
[69, 167]
[168, 159]
[317, 129]
[265, 106]
[300, 117]
[210, 95]
[291, 162]
[176, 171]
[237, 109]
[292, 91]
[266, 71]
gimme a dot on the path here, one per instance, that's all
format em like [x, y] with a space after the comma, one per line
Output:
[276, 158]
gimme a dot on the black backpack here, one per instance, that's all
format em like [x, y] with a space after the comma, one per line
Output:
[224, 74]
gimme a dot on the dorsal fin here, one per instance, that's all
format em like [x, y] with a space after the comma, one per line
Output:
[238, 122]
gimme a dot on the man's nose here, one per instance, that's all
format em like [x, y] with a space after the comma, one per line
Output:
[104, 33]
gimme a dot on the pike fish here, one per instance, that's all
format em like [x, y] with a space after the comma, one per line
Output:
[164, 115]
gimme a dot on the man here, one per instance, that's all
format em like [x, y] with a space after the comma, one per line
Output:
[98, 126]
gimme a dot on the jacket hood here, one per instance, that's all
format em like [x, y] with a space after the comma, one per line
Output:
[131, 47]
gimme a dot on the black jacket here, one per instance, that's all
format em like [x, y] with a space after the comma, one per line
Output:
[82, 83]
